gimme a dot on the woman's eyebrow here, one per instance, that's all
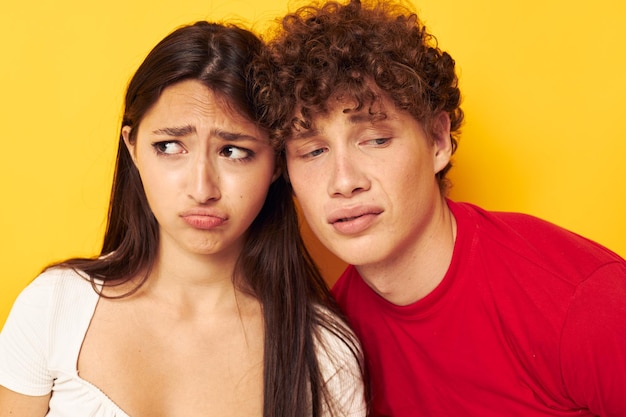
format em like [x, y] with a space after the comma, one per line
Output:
[181, 131]
[176, 131]
[232, 136]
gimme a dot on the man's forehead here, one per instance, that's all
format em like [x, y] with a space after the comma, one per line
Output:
[313, 127]
[348, 109]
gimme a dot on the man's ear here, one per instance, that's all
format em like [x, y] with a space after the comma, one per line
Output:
[442, 143]
[129, 145]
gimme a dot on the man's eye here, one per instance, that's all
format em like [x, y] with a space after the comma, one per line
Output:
[168, 147]
[316, 152]
[233, 152]
[379, 141]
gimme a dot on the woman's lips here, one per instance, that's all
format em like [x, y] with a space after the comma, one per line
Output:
[203, 219]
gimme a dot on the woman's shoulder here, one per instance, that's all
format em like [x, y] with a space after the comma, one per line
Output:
[56, 288]
[44, 329]
[334, 335]
[341, 364]
[58, 279]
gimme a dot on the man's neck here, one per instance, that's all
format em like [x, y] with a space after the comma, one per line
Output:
[417, 271]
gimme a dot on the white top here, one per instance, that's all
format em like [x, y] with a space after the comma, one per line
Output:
[42, 337]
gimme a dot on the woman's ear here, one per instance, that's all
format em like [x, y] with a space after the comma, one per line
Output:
[277, 173]
[280, 167]
[442, 143]
[129, 145]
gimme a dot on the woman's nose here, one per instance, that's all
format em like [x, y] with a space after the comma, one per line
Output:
[203, 183]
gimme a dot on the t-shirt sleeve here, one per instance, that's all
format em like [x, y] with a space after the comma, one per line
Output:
[24, 341]
[593, 345]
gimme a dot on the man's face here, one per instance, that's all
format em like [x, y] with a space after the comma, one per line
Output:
[368, 188]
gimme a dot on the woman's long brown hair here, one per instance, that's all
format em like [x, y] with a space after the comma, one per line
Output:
[274, 265]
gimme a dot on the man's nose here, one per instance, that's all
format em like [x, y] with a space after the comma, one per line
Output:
[347, 177]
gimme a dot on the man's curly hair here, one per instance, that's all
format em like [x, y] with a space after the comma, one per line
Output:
[355, 51]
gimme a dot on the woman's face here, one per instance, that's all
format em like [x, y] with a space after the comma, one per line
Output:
[205, 169]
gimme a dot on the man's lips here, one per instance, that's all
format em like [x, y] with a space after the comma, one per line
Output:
[354, 220]
[349, 214]
[347, 219]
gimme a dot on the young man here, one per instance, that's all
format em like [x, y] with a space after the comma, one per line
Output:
[462, 312]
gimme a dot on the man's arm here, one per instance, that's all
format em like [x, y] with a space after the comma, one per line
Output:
[593, 343]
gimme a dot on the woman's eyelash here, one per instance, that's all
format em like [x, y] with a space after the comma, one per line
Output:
[232, 152]
[237, 153]
[168, 147]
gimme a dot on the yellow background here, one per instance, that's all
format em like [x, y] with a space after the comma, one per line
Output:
[544, 84]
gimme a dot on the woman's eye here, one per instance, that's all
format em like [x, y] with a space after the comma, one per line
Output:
[168, 147]
[233, 152]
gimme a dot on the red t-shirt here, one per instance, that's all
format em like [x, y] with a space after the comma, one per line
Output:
[530, 320]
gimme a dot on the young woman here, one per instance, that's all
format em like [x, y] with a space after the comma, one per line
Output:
[203, 300]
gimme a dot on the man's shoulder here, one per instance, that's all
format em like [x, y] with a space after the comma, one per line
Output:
[353, 294]
[348, 279]
[534, 239]
[477, 215]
